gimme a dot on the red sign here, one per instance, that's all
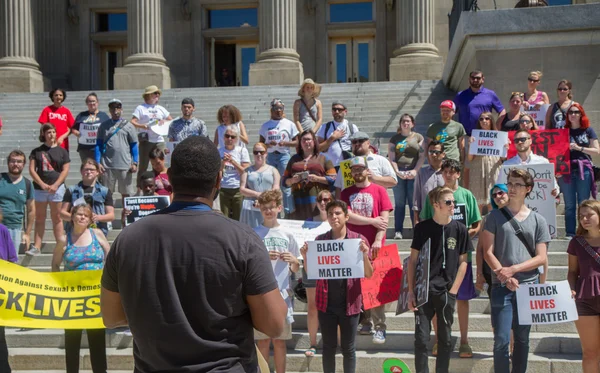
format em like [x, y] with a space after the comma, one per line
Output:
[550, 144]
[384, 286]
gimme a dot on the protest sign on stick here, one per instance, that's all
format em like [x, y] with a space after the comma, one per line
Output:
[540, 199]
[549, 303]
[384, 286]
[550, 144]
[143, 206]
[333, 259]
[421, 289]
[489, 143]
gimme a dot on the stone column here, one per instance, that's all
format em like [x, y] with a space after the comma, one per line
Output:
[145, 65]
[416, 56]
[278, 62]
[19, 71]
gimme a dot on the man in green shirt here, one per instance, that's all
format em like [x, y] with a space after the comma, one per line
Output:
[16, 195]
[467, 211]
[448, 132]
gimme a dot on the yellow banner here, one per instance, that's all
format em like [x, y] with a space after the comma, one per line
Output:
[348, 181]
[54, 300]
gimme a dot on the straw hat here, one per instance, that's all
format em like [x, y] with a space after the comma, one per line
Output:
[151, 89]
[317, 90]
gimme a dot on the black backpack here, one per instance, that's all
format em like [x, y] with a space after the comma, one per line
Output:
[345, 153]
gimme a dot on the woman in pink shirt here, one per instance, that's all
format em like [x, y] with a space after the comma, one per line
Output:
[59, 116]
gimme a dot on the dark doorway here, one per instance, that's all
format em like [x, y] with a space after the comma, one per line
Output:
[225, 74]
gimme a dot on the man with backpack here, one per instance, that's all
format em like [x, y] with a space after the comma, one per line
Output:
[334, 136]
[16, 196]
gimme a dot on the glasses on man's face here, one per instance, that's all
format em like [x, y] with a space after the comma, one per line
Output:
[88, 170]
[520, 140]
[449, 202]
[515, 185]
[531, 80]
[574, 112]
[156, 93]
[326, 200]
[259, 152]
[484, 118]
[92, 102]
[338, 109]
[476, 77]
[115, 107]
[498, 194]
[277, 108]
[231, 137]
[562, 89]
[435, 152]
[358, 142]
[16, 161]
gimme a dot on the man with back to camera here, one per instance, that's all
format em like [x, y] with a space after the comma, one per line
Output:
[192, 304]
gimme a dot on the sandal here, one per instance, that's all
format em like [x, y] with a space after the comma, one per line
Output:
[465, 351]
[310, 352]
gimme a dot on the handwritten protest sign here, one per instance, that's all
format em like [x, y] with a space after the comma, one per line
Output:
[384, 286]
[304, 231]
[169, 151]
[334, 259]
[539, 115]
[551, 144]
[143, 206]
[540, 199]
[347, 180]
[489, 143]
[421, 280]
[549, 303]
[88, 133]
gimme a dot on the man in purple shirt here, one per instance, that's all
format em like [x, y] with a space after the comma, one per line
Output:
[470, 103]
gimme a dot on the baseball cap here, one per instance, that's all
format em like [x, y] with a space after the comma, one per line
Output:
[358, 161]
[338, 102]
[359, 135]
[448, 104]
[114, 101]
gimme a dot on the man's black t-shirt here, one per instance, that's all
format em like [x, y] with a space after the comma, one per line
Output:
[49, 163]
[453, 239]
[183, 278]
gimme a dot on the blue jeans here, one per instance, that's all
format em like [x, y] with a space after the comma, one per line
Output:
[574, 193]
[280, 161]
[16, 235]
[403, 194]
[504, 318]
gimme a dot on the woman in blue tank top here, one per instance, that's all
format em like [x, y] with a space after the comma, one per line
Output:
[81, 249]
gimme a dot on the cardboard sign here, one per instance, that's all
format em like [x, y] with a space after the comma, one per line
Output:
[538, 115]
[460, 213]
[384, 286]
[551, 144]
[347, 180]
[332, 259]
[421, 280]
[489, 143]
[144, 205]
[88, 133]
[540, 199]
[170, 147]
[550, 303]
[304, 231]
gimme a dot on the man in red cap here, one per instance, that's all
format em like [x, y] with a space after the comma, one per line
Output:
[448, 132]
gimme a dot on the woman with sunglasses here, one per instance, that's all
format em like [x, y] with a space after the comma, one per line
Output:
[323, 198]
[533, 97]
[258, 178]
[526, 122]
[307, 173]
[584, 279]
[235, 161]
[556, 116]
[580, 184]
[484, 168]
[510, 120]
[406, 155]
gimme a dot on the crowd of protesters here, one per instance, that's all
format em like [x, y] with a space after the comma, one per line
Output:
[295, 172]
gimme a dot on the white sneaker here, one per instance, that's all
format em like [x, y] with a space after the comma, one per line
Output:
[398, 236]
[379, 337]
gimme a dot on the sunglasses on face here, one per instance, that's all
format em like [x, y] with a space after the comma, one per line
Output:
[476, 77]
[357, 142]
[337, 109]
[531, 80]
[326, 200]
[259, 152]
[449, 202]
[526, 121]
[562, 89]
[484, 118]
[498, 194]
[574, 112]
[230, 136]
[435, 152]
[521, 140]
[115, 107]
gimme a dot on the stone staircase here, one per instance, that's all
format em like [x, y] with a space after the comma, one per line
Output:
[375, 108]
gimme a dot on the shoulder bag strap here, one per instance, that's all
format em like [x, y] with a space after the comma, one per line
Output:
[588, 248]
[309, 111]
[518, 230]
[122, 124]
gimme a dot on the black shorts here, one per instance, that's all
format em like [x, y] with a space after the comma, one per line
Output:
[588, 307]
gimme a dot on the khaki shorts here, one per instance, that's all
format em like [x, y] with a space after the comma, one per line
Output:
[285, 336]
[123, 178]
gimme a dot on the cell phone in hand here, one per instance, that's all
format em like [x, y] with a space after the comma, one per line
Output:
[303, 175]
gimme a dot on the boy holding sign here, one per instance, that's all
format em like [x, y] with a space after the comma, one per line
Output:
[283, 251]
[450, 243]
[339, 301]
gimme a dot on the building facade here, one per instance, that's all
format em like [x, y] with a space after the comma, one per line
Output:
[129, 44]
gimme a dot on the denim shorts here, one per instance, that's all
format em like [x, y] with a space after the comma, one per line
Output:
[44, 196]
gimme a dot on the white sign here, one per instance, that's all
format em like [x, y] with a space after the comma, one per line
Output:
[334, 259]
[161, 129]
[539, 115]
[550, 303]
[169, 151]
[304, 231]
[88, 133]
[540, 199]
[489, 143]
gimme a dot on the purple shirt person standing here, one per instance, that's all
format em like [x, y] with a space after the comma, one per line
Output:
[475, 100]
[7, 252]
